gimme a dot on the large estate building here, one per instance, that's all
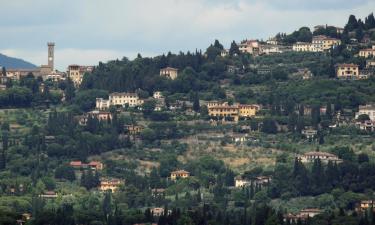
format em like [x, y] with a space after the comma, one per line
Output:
[119, 99]
[319, 43]
[235, 112]
[367, 53]
[347, 71]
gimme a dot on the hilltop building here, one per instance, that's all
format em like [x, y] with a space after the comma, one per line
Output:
[41, 71]
[301, 47]
[322, 43]
[250, 46]
[76, 73]
[169, 72]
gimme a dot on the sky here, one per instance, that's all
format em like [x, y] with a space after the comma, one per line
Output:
[89, 31]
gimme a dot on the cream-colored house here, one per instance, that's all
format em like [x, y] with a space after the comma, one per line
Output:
[102, 104]
[301, 47]
[109, 185]
[179, 174]
[157, 95]
[169, 72]
[347, 71]
[367, 53]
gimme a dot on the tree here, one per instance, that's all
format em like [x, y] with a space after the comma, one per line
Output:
[363, 117]
[352, 24]
[148, 107]
[363, 158]
[234, 50]
[4, 72]
[269, 126]
[196, 105]
[5, 140]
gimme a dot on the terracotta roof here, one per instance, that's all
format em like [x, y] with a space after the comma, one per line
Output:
[76, 163]
[180, 172]
[347, 65]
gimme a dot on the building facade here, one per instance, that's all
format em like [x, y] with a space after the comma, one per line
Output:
[125, 98]
[76, 73]
[234, 112]
[251, 46]
[169, 72]
[367, 53]
[347, 71]
[366, 110]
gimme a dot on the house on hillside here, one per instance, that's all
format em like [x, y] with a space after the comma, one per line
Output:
[169, 72]
[179, 174]
[366, 110]
[110, 184]
[324, 157]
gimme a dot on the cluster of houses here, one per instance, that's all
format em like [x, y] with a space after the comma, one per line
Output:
[48, 72]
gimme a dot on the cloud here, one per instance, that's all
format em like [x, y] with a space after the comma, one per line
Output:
[114, 28]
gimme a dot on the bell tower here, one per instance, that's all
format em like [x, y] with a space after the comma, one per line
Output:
[51, 55]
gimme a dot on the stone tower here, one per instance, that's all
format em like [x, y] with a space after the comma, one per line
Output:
[51, 55]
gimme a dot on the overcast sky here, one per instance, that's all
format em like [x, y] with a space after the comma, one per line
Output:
[89, 31]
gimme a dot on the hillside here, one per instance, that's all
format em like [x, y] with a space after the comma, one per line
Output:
[14, 63]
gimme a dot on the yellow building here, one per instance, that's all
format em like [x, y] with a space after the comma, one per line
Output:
[76, 72]
[302, 47]
[347, 71]
[179, 174]
[224, 111]
[248, 110]
[367, 53]
[109, 185]
[124, 98]
[234, 111]
[322, 43]
[169, 72]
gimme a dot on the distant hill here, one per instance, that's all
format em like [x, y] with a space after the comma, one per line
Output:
[14, 63]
